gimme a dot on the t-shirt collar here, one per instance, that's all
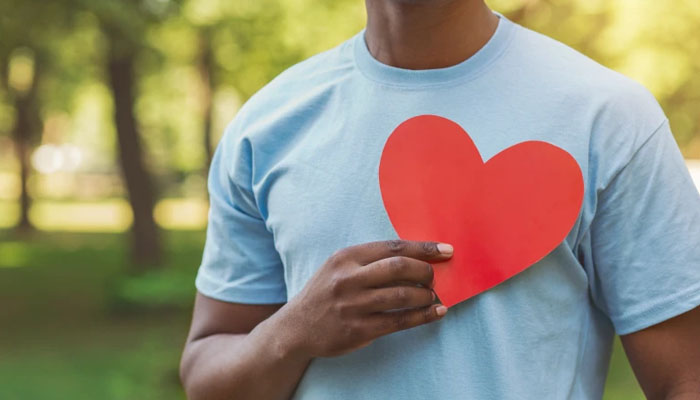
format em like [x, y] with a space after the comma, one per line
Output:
[378, 71]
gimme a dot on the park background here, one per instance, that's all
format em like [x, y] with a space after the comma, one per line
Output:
[111, 109]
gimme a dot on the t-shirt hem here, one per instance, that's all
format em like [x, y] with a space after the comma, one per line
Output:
[659, 312]
[239, 294]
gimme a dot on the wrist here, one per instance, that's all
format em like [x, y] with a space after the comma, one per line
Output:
[279, 334]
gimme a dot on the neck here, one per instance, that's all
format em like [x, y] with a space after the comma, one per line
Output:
[426, 34]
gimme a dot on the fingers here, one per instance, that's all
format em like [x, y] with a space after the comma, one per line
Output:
[396, 269]
[394, 298]
[369, 252]
[389, 322]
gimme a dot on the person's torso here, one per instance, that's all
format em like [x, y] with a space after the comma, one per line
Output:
[316, 159]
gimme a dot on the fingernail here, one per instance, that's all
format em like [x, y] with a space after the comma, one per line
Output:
[433, 296]
[445, 248]
[441, 310]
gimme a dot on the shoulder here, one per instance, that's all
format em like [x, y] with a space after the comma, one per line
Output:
[583, 79]
[269, 118]
[618, 113]
[298, 83]
[567, 74]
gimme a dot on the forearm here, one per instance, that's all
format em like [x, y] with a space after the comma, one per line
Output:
[683, 389]
[260, 365]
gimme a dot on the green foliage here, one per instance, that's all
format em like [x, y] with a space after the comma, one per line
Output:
[164, 289]
[170, 288]
[253, 41]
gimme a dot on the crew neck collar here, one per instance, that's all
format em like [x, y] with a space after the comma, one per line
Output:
[384, 73]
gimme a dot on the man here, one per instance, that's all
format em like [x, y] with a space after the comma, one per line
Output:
[305, 290]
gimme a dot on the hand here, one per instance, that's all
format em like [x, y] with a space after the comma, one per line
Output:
[363, 292]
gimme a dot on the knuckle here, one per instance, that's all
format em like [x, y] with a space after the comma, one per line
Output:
[426, 296]
[430, 274]
[402, 295]
[349, 331]
[382, 299]
[401, 321]
[357, 330]
[427, 314]
[343, 310]
[387, 325]
[397, 264]
[337, 284]
[338, 256]
[395, 246]
[429, 248]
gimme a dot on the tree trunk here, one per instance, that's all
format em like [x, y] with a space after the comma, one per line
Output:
[27, 126]
[20, 135]
[205, 72]
[146, 246]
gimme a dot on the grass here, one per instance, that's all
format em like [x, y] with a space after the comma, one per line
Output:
[64, 333]
[75, 326]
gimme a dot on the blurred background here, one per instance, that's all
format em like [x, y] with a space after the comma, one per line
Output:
[109, 113]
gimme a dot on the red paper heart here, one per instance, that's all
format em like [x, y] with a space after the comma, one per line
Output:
[501, 216]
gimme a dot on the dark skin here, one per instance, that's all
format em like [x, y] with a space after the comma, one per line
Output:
[666, 357]
[232, 348]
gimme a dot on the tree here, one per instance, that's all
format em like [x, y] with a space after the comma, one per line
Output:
[206, 66]
[28, 123]
[124, 24]
[146, 246]
[23, 56]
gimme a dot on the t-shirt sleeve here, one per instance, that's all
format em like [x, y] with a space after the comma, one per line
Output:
[240, 263]
[645, 238]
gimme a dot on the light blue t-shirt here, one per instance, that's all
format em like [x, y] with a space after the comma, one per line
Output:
[295, 178]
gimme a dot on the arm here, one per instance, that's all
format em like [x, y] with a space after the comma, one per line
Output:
[232, 348]
[261, 351]
[666, 357]
[644, 263]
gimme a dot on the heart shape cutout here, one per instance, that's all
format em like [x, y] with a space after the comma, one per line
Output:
[501, 216]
